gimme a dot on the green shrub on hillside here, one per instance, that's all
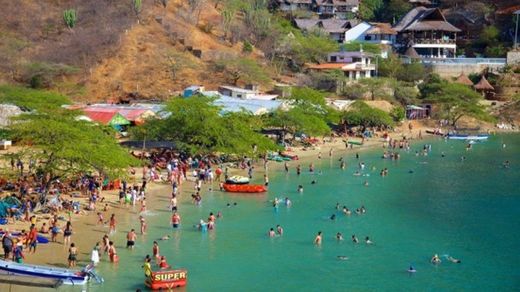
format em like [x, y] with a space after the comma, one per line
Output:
[70, 17]
[31, 99]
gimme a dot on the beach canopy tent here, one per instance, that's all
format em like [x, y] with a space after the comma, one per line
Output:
[414, 112]
[113, 119]
[149, 144]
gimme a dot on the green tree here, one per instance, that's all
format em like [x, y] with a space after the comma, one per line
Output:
[432, 85]
[398, 113]
[361, 114]
[242, 69]
[489, 34]
[311, 47]
[414, 71]
[200, 128]
[31, 99]
[298, 120]
[456, 101]
[390, 67]
[65, 148]
[395, 9]
[370, 9]
[376, 87]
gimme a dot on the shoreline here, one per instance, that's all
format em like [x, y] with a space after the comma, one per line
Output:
[55, 254]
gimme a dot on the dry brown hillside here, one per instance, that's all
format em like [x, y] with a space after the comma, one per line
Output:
[109, 54]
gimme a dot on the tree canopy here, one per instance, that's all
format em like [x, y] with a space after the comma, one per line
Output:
[455, 101]
[31, 99]
[201, 128]
[361, 114]
[64, 148]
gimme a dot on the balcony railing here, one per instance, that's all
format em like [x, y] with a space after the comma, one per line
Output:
[497, 61]
[433, 41]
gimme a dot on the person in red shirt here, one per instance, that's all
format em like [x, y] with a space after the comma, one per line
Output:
[33, 239]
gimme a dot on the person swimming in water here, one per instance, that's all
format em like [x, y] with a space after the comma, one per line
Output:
[454, 260]
[343, 258]
[354, 239]
[333, 217]
[166, 237]
[368, 241]
[317, 239]
[435, 260]
[411, 269]
[346, 211]
[300, 189]
[339, 236]
[313, 182]
[271, 233]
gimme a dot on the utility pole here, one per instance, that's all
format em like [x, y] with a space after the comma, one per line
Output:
[516, 30]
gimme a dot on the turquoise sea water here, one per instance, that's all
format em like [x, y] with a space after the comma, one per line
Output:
[468, 209]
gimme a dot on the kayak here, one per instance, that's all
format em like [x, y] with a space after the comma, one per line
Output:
[355, 142]
[166, 280]
[233, 188]
[468, 137]
[237, 180]
[69, 277]
[40, 238]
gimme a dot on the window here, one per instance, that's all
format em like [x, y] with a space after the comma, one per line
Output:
[368, 38]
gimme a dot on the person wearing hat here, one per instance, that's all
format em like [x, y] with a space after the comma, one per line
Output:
[7, 244]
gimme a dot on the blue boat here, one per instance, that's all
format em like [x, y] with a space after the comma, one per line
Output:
[467, 137]
[67, 276]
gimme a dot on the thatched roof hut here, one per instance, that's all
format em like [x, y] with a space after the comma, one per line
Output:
[483, 85]
[412, 53]
[463, 79]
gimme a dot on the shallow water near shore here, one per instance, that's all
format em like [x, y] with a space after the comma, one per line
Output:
[426, 205]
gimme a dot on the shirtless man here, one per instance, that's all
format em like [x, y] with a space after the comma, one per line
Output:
[130, 239]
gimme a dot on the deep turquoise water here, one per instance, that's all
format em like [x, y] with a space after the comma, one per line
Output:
[468, 209]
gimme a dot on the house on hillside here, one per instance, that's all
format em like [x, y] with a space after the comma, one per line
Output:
[336, 8]
[355, 65]
[427, 31]
[335, 28]
[250, 92]
[293, 5]
[375, 33]
[324, 8]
